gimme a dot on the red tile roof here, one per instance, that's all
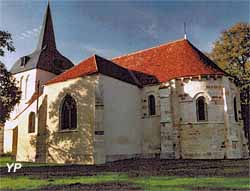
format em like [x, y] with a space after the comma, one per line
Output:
[97, 64]
[168, 61]
[85, 67]
[158, 64]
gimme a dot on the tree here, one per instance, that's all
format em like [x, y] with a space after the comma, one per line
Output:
[6, 42]
[9, 92]
[232, 53]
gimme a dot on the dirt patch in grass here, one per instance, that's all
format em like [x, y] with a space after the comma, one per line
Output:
[142, 167]
[94, 187]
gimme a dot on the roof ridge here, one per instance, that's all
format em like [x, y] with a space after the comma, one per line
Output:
[143, 50]
[96, 66]
[134, 77]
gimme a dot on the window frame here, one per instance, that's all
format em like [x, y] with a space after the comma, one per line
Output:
[32, 122]
[204, 109]
[61, 114]
[236, 118]
[151, 108]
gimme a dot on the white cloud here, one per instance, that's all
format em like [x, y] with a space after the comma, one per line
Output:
[29, 33]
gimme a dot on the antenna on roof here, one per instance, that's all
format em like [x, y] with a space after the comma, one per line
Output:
[185, 33]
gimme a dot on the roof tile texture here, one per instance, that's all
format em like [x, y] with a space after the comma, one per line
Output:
[149, 66]
[169, 61]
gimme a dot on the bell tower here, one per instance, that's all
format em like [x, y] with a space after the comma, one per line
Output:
[32, 71]
[44, 63]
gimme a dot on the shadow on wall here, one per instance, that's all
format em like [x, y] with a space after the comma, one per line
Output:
[67, 146]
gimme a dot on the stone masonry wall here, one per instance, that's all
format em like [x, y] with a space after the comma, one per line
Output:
[99, 139]
[209, 138]
[72, 146]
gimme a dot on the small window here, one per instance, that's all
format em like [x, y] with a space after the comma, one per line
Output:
[24, 60]
[32, 120]
[235, 110]
[151, 104]
[201, 109]
[68, 113]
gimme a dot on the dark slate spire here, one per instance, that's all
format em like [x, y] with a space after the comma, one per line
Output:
[47, 36]
[46, 56]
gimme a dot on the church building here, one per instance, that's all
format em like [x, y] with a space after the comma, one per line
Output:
[169, 101]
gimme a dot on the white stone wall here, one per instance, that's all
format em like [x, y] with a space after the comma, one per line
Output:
[26, 148]
[27, 84]
[26, 81]
[114, 121]
[236, 142]
[122, 118]
[71, 146]
[210, 138]
[151, 124]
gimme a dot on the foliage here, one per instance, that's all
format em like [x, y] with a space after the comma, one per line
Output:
[9, 93]
[6, 42]
[232, 52]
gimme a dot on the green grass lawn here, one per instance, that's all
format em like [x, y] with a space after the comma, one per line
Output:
[148, 183]
[4, 160]
[152, 183]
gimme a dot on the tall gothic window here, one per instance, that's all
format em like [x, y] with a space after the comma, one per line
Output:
[68, 113]
[26, 87]
[151, 105]
[201, 109]
[32, 120]
[21, 83]
[235, 110]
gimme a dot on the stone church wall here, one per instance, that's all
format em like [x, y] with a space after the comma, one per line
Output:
[26, 142]
[113, 122]
[205, 139]
[169, 129]
[150, 124]
[71, 146]
[122, 119]
[27, 82]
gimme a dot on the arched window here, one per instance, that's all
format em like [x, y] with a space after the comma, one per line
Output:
[68, 113]
[151, 105]
[26, 87]
[32, 120]
[201, 109]
[235, 110]
[21, 83]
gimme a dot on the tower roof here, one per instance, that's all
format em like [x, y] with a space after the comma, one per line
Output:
[46, 56]
[47, 36]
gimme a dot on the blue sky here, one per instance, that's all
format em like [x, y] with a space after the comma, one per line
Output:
[113, 28]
